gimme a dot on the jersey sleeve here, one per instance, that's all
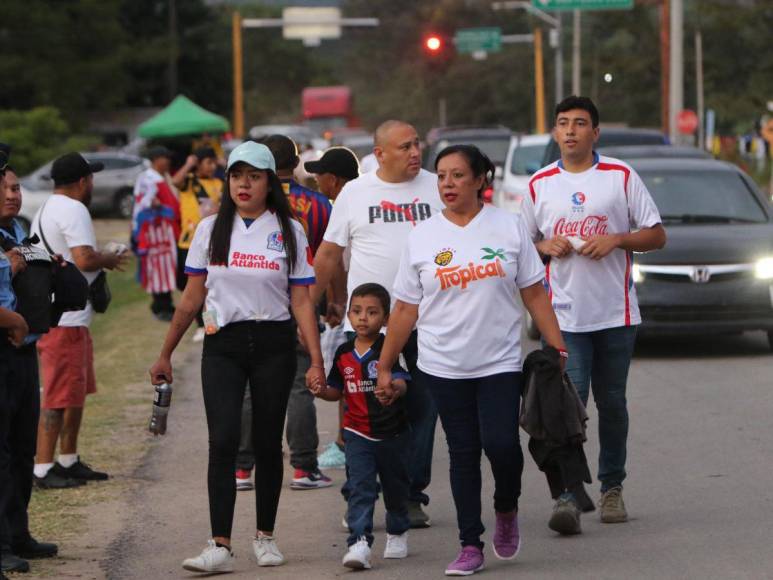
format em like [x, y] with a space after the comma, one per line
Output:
[529, 217]
[530, 267]
[407, 286]
[338, 230]
[198, 254]
[302, 273]
[641, 207]
[334, 378]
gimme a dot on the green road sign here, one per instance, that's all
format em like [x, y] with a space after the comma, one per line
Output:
[469, 40]
[583, 4]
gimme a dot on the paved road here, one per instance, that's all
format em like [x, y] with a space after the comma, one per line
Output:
[699, 491]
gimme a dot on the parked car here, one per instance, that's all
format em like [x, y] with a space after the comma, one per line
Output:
[613, 137]
[113, 186]
[715, 273]
[630, 152]
[494, 141]
[360, 143]
[524, 158]
[304, 137]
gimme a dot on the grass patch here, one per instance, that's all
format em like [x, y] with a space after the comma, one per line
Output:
[114, 434]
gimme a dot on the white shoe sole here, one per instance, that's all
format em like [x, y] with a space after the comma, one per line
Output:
[270, 564]
[194, 568]
[460, 573]
[514, 556]
[395, 555]
[357, 565]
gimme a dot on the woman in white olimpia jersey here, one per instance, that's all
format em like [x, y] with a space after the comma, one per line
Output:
[458, 284]
[252, 265]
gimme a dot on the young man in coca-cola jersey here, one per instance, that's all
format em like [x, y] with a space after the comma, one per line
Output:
[587, 215]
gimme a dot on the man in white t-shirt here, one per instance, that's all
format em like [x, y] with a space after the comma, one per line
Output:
[587, 215]
[373, 216]
[64, 227]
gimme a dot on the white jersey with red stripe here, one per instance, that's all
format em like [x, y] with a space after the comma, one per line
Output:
[608, 198]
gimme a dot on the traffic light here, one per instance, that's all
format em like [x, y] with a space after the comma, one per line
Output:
[433, 43]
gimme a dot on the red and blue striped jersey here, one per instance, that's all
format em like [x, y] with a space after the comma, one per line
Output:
[311, 208]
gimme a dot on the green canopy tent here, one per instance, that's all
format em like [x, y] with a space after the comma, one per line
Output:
[182, 117]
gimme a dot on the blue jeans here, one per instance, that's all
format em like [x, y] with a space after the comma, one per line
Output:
[480, 414]
[365, 460]
[600, 360]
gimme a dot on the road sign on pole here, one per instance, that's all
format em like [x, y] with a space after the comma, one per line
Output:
[583, 4]
[687, 121]
[472, 40]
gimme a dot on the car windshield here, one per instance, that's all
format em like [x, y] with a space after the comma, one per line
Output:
[527, 159]
[614, 139]
[703, 197]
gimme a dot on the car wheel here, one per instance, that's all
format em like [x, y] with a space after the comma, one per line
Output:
[124, 203]
[531, 328]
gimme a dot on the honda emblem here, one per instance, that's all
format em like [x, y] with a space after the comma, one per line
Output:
[700, 275]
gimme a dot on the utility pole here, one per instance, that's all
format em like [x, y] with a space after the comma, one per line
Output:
[676, 76]
[559, 59]
[699, 87]
[576, 52]
[665, 56]
[539, 81]
[173, 50]
[236, 39]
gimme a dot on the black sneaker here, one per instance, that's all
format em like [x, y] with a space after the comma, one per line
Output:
[54, 480]
[79, 470]
[566, 517]
[12, 563]
[418, 518]
[31, 549]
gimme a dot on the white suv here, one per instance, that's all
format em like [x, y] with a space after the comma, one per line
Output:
[524, 158]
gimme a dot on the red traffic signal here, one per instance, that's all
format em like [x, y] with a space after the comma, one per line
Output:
[433, 43]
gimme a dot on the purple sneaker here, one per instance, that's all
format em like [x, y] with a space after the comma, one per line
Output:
[507, 538]
[469, 561]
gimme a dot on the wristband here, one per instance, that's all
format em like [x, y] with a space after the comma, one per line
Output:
[562, 352]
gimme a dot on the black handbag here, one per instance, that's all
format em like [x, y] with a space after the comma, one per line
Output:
[99, 293]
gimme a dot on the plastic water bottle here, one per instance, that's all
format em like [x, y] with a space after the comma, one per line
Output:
[161, 402]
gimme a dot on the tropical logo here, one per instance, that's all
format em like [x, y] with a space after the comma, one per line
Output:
[444, 257]
[493, 254]
[461, 277]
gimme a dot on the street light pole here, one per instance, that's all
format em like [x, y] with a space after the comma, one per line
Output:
[236, 38]
[576, 48]
[676, 68]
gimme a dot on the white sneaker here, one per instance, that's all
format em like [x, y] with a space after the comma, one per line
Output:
[199, 335]
[358, 556]
[396, 546]
[212, 559]
[267, 552]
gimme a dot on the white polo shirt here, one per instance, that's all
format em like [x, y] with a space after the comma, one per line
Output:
[465, 281]
[374, 218]
[608, 198]
[256, 283]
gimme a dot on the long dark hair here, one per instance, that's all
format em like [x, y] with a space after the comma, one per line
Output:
[220, 241]
[477, 160]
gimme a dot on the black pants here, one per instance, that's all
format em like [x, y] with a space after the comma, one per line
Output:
[263, 355]
[23, 407]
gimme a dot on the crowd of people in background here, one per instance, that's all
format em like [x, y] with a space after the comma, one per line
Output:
[391, 291]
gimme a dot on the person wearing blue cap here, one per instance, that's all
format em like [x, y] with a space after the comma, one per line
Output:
[250, 266]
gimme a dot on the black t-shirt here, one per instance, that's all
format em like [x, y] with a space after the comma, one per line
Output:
[356, 376]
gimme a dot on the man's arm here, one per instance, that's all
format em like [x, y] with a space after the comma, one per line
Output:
[89, 260]
[178, 179]
[644, 240]
[327, 261]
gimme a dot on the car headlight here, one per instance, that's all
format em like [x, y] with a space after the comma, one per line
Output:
[763, 269]
[637, 275]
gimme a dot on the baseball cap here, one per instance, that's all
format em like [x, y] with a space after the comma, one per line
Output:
[254, 154]
[158, 151]
[339, 161]
[71, 167]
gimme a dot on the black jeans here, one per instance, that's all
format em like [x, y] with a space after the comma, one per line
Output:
[263, 355]
[480, 414]
[182, 281]
[23, 407]
[365, 460]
